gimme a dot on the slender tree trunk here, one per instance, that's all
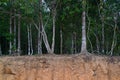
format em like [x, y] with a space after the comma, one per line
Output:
[39, 46]
[84, 41]
[31, 46]
[107, 47]
[19, 39]
[44, 35]
[40, 29]
[61, 41]
[75, 46]
[114, 37]
[53, 38]
[39, 40]
[97, 43]
[10, 29]
[83, 46]
[14, 30]
[28, 30]
[72, 45]
[103, 37]
[103, 28]
[88, 30]
[45, 39]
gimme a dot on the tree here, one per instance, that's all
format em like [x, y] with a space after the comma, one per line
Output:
[54, 26]
[101, 12]
[40, 28]
[19, 33]
[10, 29]
[84, 41]
[54, 6]
[30, 46]
[14, 20]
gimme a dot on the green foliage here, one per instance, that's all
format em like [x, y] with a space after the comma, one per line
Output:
[68, 20]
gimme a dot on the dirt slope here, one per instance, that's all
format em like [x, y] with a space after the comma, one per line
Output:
[60, 68]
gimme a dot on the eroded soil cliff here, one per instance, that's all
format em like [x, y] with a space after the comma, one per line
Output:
[78, 67]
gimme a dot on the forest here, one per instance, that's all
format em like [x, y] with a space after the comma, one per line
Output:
[30, 27]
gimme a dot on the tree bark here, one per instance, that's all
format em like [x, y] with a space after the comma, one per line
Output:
[45, 39]
[114, 37]
[19, 39]
[75, 46]
[14, 30]
[83, 46]
[84, 41]
[40, 29]
[31, 46]
[53, 38]
[61, 41]
[40, 38]
[72, 44]
[97, 43]
[10, 29]
[88, 30]
[28, 30]
[103, 36]
[103, 28]
[39, 47]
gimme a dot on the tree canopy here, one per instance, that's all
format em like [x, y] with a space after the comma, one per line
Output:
[39, 20]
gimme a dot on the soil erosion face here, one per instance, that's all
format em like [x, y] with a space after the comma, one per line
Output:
[60, 68]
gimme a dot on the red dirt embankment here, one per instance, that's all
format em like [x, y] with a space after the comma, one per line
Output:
[79, 67]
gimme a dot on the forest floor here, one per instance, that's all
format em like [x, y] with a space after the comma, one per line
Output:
[60, 67]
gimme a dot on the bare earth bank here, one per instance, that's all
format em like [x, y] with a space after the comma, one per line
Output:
[52, 67]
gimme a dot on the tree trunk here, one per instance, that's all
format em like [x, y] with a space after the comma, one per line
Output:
[61, 41]
[72, 45]
[53, 38]
[88, 30]
[14, 30]
[45, 39]
[40, 39]
[83, 46]
[84, 41]
[103, 28]
[97, 43]
[114, 37]
[103, 36]
[28, 30]
[10, 29]
[39, 46]
[31, 46]
[75, 46]
[19, 39]
[40, 29]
